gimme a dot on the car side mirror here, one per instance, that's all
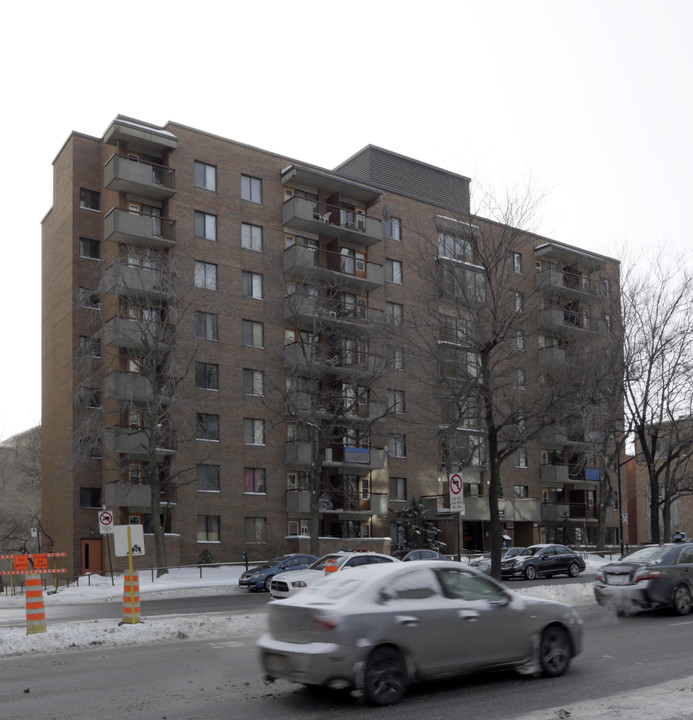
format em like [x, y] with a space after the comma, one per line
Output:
[386, 595]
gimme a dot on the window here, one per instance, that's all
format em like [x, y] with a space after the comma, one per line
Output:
[208, 478]
[89, 248]
[455, 281]
[90, 497]
[253, 382]
[393, 229]
[207, 426]
[252, 284]
[205, 275]
[395, 401]
[397, 446]
[254, 480]
[89, 299]
[205, 226]
[393, 314]
[206, 325]
[605, 285]
[251, 188]
[458, 248]
[254, 529]
[90, 447]
[607, 320]
[205, 176]
[522, 459]
[521, 491]
[518, 341]
[398, 488]
[251, 237]
[253, 335]
[515, 260]
[89, 397]
[298, 481]
[518, 379]
[206, 376]
[516, 301]
[208, 528]
[89, 199]
[395, 358]
[470, 489]
[393, 271]
[253, 431]
[89, 346]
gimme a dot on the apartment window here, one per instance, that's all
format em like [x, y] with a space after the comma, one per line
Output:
[206, 376]
[518, 379]
[206, 325]
[393, 271]
[516, 301]
[89, 299]
[205, 275]
[251, 237]
[254, 480]
[251, 188]
[89, 346]
[90, 447]
[397, 446]
[395, 401]
[207, 426]
[205, 176]
[522, 458]
[393, 229]
[208, 528]
[253, 334]
[394, 313]
[208, 478]
[253, 431]
[518, 341]
[205, 226]
[605, 285]
[521, 491]
[298, 480]
[453, 246]
[398, 488]
[607, 320]
[89, 248]
[471, 489]
[254, 529]
[89, 397]
[395, 358]
[253, 382]
[515, 259]
[90, 497]
[89, 199]
[252, 284]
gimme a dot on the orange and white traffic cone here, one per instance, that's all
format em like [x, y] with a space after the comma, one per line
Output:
[131, 598]
[35, 610]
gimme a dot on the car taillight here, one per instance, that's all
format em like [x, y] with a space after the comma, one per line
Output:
[600, 576]
[322, 623]
[647, 574]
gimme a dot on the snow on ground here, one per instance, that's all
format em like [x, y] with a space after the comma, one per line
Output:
[177, 583]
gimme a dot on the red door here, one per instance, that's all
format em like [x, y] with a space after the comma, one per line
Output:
[91, 556]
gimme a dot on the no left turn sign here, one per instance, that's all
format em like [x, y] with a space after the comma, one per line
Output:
[456, 494]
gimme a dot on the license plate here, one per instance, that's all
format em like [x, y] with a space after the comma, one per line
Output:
[618, 579]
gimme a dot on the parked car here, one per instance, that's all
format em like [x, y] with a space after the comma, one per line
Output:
[656, 576]
[484, 562]
[543, 561]
[377, 629]
[288, 583]
[260, 576]
[423, 554]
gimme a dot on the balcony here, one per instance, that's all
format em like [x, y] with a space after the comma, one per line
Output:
[310, 311]
[562, 321]
[555, 474]
[554, 435]
[298, 504]
[562, 512]
[476, 508]
[569, 285]
[339, 270]
[133, 442]
[129, 387]
[130, 281]
[331, 221]
[142, 230]
[123, 174]
[552, 357]
[299, 453]
[127, 495]
[347, 364]
[130, 334]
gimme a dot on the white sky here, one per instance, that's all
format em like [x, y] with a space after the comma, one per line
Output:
[669, 700]
[588, 98]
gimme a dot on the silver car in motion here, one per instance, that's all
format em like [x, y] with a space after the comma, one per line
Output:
[378, 628]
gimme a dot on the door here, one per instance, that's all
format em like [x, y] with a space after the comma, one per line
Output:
[90, 552]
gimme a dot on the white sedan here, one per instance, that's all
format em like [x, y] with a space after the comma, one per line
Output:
[287, 583]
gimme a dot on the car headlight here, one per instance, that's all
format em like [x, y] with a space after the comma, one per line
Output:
[298, 584]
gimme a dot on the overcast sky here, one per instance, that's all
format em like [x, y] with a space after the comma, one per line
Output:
[591, 99]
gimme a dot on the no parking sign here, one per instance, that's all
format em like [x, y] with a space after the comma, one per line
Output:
[105, 522]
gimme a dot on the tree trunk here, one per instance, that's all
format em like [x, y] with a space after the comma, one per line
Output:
[654, 508]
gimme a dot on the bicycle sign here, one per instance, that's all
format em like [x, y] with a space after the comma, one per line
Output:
[456, 493]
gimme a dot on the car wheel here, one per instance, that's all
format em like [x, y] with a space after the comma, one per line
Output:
[268, 583]
[554, 651]
[385, 677]
[682, 600]
[573, 569]
[530, 572]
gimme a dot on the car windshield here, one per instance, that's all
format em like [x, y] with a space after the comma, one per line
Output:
[276, 561]
[646, 554]
[527, 552]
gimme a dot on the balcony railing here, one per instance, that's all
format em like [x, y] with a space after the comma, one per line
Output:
[136, 442]
[333, 221]
[569, 321]
[130, 281]
[354, 364]
[128, 386]
[557, 512]
[127, 333]
[132, 175]
[143, 230]
[301, 306]
[569, 284]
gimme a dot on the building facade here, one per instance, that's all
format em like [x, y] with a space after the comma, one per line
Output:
[261, 344]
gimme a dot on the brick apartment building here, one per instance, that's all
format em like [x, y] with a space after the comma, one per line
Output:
[228, 326]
